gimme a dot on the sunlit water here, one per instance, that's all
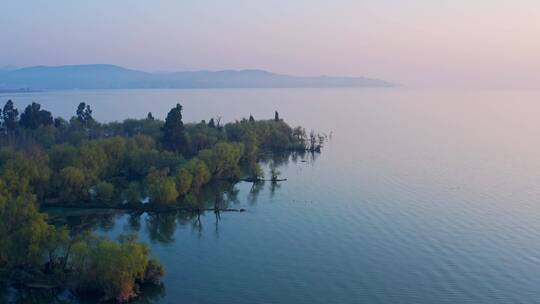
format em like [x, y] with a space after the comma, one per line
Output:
[419, 197]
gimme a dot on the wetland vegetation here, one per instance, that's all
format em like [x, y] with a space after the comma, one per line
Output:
[138, 164]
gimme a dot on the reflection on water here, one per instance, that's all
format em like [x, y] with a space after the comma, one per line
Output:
[152, 294]
[159, 228]
[420, 197]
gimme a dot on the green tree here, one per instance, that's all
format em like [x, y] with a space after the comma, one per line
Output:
[154, 271]
[212, 123]
[62, 156]
[60, 123]
[24, 232]
[84, 114]
[161, 188]
[114, 268]
[34, 117]
[26, 172]
[57, 246]
[73, 184]
[104, 192]
[222, 160]
[93, 159]
[184, 179]
[174, 137]
[132, 194]
[200, 173]
[10, 116]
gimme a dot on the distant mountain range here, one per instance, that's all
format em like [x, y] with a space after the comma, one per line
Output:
[104, 76]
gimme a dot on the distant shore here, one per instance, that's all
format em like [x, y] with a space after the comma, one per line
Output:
[3, 91]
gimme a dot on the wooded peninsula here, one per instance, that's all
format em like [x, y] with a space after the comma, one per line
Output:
[140, 164]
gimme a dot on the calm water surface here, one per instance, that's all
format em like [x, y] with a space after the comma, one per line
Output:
[419, 197]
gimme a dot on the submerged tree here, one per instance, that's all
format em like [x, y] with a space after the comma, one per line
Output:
[316, 142]
[274, 174]
[174, 137]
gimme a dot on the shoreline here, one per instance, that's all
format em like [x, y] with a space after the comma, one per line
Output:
[140, 209]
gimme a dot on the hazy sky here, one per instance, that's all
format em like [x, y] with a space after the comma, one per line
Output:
[487, 43]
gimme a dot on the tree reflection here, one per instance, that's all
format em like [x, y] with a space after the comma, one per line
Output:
[81, 222]
[273, 187]
[134, 221]
[151, 294]
[254, 192]
[197, 225]
[33, 295]
[161, 227]
[232, 195]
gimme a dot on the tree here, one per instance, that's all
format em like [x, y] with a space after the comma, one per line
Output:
[114, 268]
[212, 123]
[299, 134]
[154, 272]
[274, 173]
[161, 188]
[73, 184]
[10, 115]
[24, 232]
[57, 244]
[150, 116]
[184, 180]
[222, 160]
[60, 123]
[315, 142]
[199, 171]
[33, 117]
[104, 192]
[132, 194]
[174, 137]
[24, 172]
[84, 114]
[276, 116]
[251, 119]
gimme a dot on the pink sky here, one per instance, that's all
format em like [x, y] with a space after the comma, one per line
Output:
[475, 43]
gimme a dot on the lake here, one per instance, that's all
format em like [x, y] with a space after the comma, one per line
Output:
[419, 196]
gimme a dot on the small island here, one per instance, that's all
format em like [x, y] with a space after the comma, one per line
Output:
[138, 164]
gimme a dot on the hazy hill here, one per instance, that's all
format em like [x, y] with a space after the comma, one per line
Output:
[103, 76]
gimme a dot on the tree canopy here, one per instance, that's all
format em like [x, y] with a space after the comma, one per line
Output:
[81, 162]
[174, 137]
[33, 117]
[10, 116]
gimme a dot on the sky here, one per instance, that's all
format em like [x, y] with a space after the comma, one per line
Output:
[465, 43]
